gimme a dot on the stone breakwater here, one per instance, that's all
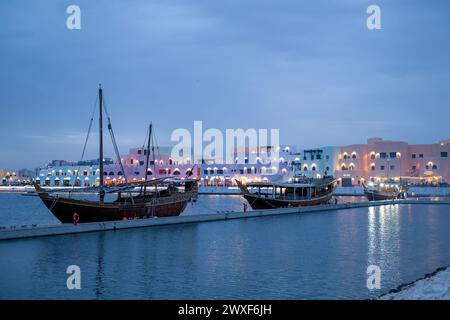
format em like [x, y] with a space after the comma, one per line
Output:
[433, 286]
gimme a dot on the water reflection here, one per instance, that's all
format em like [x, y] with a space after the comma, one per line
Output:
[384, 241]
[100, 265]
[313, 255]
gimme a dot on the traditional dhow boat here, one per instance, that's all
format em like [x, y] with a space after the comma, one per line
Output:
[300, 191]
[388, 190]
[154, 198]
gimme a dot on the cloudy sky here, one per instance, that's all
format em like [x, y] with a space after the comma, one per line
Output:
[310, 68]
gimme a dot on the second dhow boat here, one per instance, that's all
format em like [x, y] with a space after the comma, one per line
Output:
[156, 198]
[388, 190]
[299, 191]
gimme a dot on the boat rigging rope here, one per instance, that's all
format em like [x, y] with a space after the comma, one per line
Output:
[85, 142]
[113, 139]
[116, 150]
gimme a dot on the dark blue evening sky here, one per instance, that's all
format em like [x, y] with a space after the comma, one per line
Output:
[310, 68]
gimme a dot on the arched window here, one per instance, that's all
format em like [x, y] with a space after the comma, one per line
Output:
[149, 172]
[176, 172]
[313, 168]
[111, 173]
[105, 173]
[120, 173]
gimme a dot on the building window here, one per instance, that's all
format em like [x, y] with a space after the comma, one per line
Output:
[219, 171]
[421, 155]
[176, 173]
[319, 157]
[120, 173]
[413, 156]
[392, 154]
[241, 171]
[381, 167]
[205, 171]
[427, 167]
[111, 173]
[85, 173]
[444, 154]
[136, 173]
[372, 168]
[313, 168]
[414, 168]
[372, 156]
[139, 151]
[327, 157]
[382, 155]
[141, 163]
[434, 167]
[354, 155]
[327, 168]
[392, 167]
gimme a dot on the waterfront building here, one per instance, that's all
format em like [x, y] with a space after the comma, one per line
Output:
[375, 160]
[318, 162]
[379, 159]
[259, 164]
[15, 177]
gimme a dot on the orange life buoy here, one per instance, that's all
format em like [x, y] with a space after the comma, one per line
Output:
[76, 218]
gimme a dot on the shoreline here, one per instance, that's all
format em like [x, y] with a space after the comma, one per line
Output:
[432, 286]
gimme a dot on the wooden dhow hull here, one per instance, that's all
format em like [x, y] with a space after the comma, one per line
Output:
[377, 196]
[270, 201]
[64, 209]
[257, 202]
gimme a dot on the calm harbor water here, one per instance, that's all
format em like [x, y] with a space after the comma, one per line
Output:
[318, 255]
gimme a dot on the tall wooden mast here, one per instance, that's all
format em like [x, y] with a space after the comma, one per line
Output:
[100, 129]
[148, 156]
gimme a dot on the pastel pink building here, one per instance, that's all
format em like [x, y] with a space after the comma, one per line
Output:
[381, 159]
[134, 164]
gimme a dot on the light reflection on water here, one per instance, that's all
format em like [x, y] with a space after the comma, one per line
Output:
[316, 255]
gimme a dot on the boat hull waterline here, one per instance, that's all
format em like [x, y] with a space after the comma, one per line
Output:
[90, 211]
